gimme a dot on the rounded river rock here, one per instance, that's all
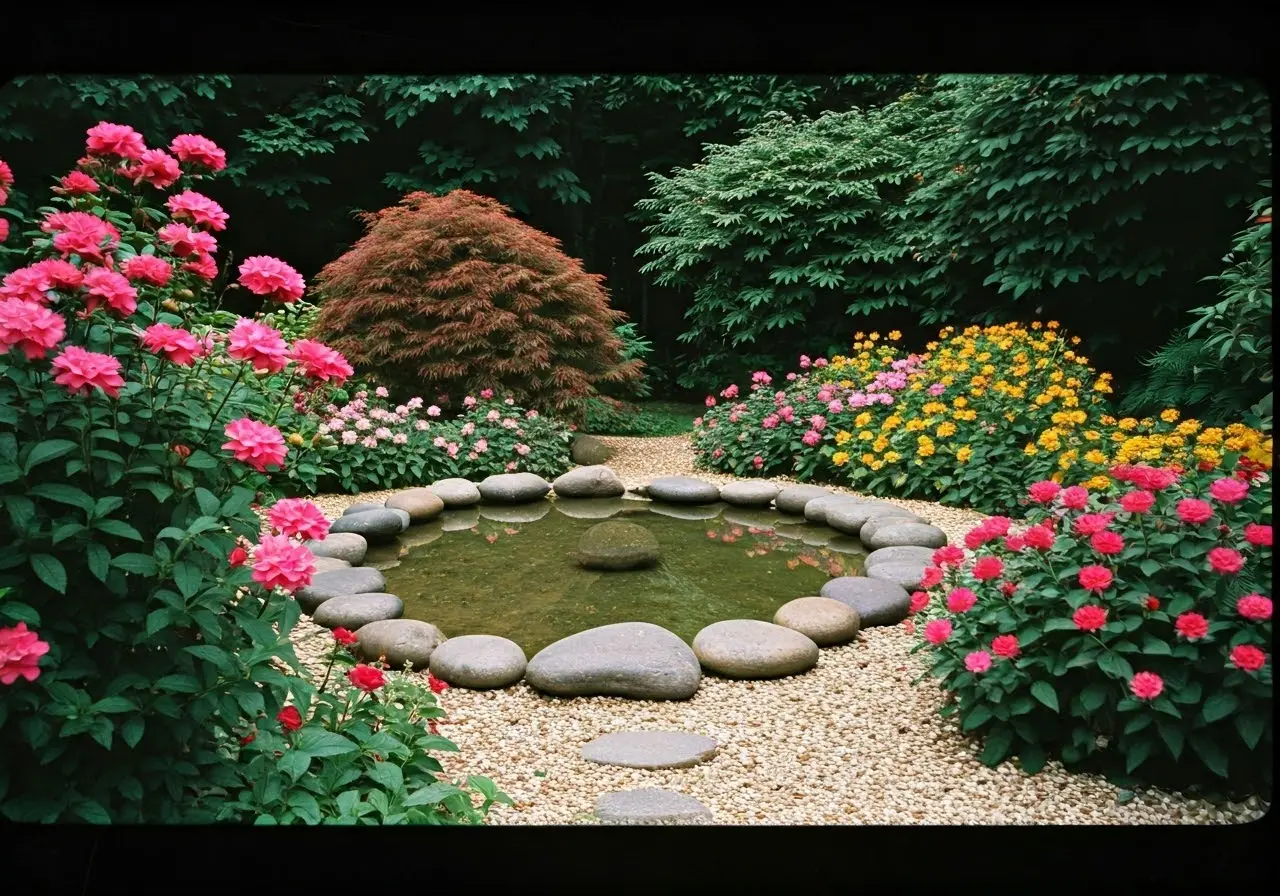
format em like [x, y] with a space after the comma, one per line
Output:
[822, 620]
[617, 544]
[589, 482]
[421, 504]
[650, 805]
[869, 528]
[683, 490]
[627, 659]
[514, 488]
[816, 510]
[905, 535]
[400, 641]
[478, 662]
[749, 648]
[341, 546]
[650, 749]
[338, 582]
[793, 498]
[353, 611]
[908, 575]
[455, 492]
[753, 493]
[849, 518]
[374, 525]
[904, 554]
[878, 602]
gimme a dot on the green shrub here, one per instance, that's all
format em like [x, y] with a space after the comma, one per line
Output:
[609, 417]
[1129, 632]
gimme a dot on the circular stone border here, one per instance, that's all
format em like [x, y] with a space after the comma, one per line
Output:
[640, 496]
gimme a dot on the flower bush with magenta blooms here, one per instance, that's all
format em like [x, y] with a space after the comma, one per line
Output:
[142, 632]
[1132, 631]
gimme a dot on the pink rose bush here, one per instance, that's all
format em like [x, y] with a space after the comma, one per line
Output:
[1130, 629]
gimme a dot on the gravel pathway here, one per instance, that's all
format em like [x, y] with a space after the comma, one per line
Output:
[851, 742]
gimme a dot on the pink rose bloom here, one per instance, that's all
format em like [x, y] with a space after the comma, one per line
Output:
[83, 234]
[937, 389]
[433, 411]
[1191, 626]
[791, 377]
[203, 267]
[6, 175]
[805, 362]
[1095, 578]
[420, 425]
[468, 428]
[319, 362]
[382, 433]
[198, 150]
[452, 449]
[533, 415]
[1258, 535]
[1194, 511]
[757, 462]
[821, 362]
[28, 284]
[1015, 543]
[486, 394]
[729, 391]
[280, 562]
[1092, 523]
[811, 438]
[508, 423]
[1226, 561]
[185, 242]
[82, 371]
[709, 401]
[1107, 542]
[761, 378]
[988, 568]
[255, 444]
[948, 555]
[481, 446]
[20, 652]
[298, 517]
[522, 449]
[1044, 491]
[510, 402]
[824, 394]
[769, 422]
[31, 327]
[362, 424]
[977, 662]
[931, 576]
[961, 600]
[414, 403]
[118, 140]
[381, 392]
[369, 442]
[155, 167]
[1248, 658]
[147, 269]
[399, 439]
[835, 406]
[112, 289]
[937, 630]
[1039, 537]
[261, 346]
[1146, 685]
[1229, 491]
[1005, 646]
[349, 437]
[1138, 501]
[264, 275]
[787, 413]
[492, 416]
[77, 183]
[198, 209]
[177, 345]
[1254, 607]
[919, 600]
[1075, 498]
[438, 441]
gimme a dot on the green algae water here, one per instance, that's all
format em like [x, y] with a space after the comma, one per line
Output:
[511, 571]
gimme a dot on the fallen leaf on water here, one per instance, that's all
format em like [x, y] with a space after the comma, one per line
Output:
[491, 538]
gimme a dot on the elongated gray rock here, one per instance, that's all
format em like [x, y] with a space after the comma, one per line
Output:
[822, 620]
[749, 648]
[650, 749]
[749, 494]
[400, 641]
[905, 535]
[878, 602]
[650, 805]
[816, 510]
[422, 504]
[363, 506]
[326, 564]
[589, 482]
[627, 659]
[904, 554]
[908, 575]
[455, 492]
[326, 585]
[478, 662]
[374, 525]
[347, 546]
[849, 518]
[869, 528]
[513, 488]
[794, 498]
[353, 611]
[403, 515]
[683, 490]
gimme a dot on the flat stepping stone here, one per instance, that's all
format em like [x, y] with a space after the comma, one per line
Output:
[683, 490]
[353, 611]
[516, 513]
[749, 494]
[905, 535]
[328, 564]
[816, 510]
[688, 511]
[906, 575]
[616, 545]
[794, 498]
[401, 641]
[650, 749]
[595, 508]
[478, 662]
[455, 492]
[459, 520]
[749, 648]
[650, 805]
[347, 546]
[422, 504]
[363, 506]
[589, 450]
[849, 518]
[513, 488]
[627, 659]
[822, 620]
[374, 525]
[878, 602]
[336, 583]
[869, 528]
[595, 481]
[901, 554]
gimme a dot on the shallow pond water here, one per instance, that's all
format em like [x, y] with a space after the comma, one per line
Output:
[511, 571]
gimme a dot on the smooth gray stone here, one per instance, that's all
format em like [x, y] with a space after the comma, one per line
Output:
[516, 513]
[589, 450]
[650, 805]
[588, 482]
[749, 648]
[363, 506]
[849, 518]
[405, 519]
[749, 493]
[328, 564]
[906, 535]
[455, 492]
[617, 545]
[595, 508]
[902, 554]
[878, 602]
[816, 510]
[869, 528]
[478, 662]
[908, 575]
[326, 585]
[353, 611]
[422, 504]
[683, 490]
[374, 525]
[650, 749]
[793, 499]
[627, 659]
[341, 546]
[822, 620]
[400, 641]
[513, 488]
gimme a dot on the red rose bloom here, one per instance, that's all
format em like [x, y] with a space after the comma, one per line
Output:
[1152, 602]
[1107, 542]
[932, 576]
[1039, 537]
[1075, 498]
[437, 686]
[1225, 561]
[1194, 511]
[1005, 646]
[366, 678]
[1248, 658]
[1089, 618]
[1095, 578]
[289, 718]
[1008, 588]
[988, 568]
[1191, 626]
[1254, 607]
[1258, 535]
[344, 637]
[238, 557]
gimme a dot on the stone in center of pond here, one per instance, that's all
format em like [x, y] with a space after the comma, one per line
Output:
[618, 545]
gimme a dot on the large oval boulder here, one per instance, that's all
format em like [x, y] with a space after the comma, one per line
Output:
[336, 583]
[905, 535]
[749, 648]
[514, 488]
[822, 620]
[405, 520]
[363, 507]
[374, 525]
[850, 517]
[627, 659]
[617, 544]
[908, 575]
[455, 492]
[816, 510]
[902, 554]
[752, 493]
[401, 641]
[794, 498]
[348, 546]
[869, 528]
[683, 490]
[589, 451]
[478, 662]
[878, 602]
[421, 504]
[353, 611]
[589, 482]
[325, 564]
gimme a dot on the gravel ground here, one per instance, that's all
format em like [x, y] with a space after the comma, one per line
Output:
[851, 742]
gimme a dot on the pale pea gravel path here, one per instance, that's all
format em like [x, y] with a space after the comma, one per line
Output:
[851, 742]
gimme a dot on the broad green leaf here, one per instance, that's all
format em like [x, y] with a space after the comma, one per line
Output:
[1045, 693]
[1219, 706]
[50, 570]
[46, 451]
[321, 743]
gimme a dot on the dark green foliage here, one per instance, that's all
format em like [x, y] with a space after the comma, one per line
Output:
[608, 417]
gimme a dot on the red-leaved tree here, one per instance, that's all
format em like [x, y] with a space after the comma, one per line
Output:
[452, 294]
